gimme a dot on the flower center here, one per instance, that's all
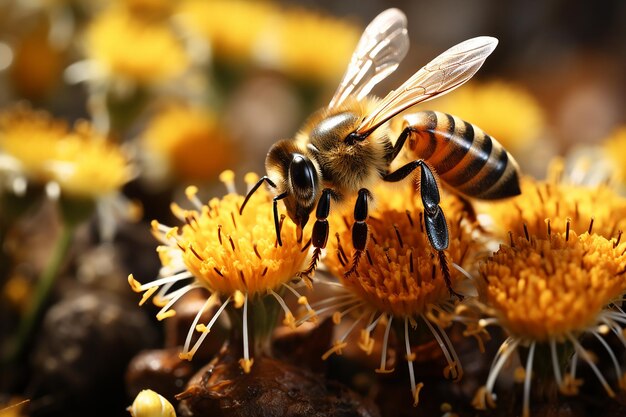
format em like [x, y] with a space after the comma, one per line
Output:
[547, 288]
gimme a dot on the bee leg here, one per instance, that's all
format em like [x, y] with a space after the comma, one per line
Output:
[274, 203]
[434, 219]
[360, 231]
[319, 235]
[397, 147]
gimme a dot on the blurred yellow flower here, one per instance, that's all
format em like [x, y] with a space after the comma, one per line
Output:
[27, 136]
[189, 141]
[547, 292]
[506, 111]
[615, 147]
[309, 46]
[400, 277]
[230, 27]
[298, 42]
[79, 161]
[86, 164]
[234, 256]
[150, 8]
[133, 49]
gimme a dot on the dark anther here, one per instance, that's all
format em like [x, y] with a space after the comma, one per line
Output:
[195, 253]
[408, 215]
[619, 237]
[306, 246]
[232, 216]
[395, 227]
[341, 261]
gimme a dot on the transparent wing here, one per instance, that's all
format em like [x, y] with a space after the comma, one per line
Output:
[443, 74]
[382, 46]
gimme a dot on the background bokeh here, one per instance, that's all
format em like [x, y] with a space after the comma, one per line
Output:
[185, 89]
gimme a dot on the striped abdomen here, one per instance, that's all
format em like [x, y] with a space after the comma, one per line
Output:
[463, 156]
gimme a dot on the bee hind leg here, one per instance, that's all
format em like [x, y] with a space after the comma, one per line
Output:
[434, 219]
[360, 230]
[319, 235]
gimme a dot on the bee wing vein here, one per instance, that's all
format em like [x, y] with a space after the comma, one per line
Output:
[440, 76]
[380, 50]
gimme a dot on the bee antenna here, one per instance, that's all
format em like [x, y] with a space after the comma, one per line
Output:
[253, 190]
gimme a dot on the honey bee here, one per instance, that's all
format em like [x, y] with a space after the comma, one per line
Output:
[346, 147]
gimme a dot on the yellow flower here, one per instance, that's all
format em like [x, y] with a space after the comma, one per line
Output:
[133, 49]
[506, 111]
[550, 203]
[182, 137]
[400, 277]
[79, 161]
[547, 292]
[234, 256]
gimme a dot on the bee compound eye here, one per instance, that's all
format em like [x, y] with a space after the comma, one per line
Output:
[303, 176]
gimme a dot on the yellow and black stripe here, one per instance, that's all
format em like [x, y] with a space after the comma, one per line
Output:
[463, 156]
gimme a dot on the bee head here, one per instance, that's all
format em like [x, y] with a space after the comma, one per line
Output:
[298, 177]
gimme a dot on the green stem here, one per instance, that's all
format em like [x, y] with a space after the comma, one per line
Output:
[262, 316]
[45, 283]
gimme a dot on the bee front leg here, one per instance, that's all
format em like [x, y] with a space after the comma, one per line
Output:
[434, 219]
[319, 235]
[360, 230]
